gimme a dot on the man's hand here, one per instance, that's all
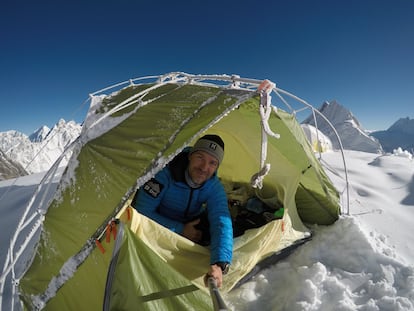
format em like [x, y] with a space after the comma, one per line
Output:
[192, 233]
[216, 273]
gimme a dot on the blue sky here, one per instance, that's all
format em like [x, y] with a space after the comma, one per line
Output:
[54, 53]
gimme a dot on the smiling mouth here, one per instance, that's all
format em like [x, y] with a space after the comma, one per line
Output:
[202, 175]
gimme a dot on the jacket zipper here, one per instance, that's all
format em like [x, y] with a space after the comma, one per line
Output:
[189, 203]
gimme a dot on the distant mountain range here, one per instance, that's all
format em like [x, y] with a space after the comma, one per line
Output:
[355, 137]
[400, 134]
[21, 154]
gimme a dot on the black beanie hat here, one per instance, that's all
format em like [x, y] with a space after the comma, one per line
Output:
[212, 144]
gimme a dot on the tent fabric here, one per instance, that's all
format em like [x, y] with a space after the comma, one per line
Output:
[151, 250]
[137, 284]
[68, 273]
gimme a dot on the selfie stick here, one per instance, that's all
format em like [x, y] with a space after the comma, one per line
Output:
[218, 302]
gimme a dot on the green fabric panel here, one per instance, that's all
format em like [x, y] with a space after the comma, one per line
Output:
[124, 95]
[204, 117]
[71, 221]
[144, 282]
[85, 291]
[317, 200]
[242, 143]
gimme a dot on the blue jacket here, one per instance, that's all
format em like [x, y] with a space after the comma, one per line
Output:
[170, 201]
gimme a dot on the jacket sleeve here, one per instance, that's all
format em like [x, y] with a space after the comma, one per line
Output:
[221, 229]
[149, 198]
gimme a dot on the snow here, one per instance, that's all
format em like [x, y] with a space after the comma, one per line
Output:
[319, 141]
[362, 262]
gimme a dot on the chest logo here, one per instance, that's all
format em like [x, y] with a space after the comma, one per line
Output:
[153, 188]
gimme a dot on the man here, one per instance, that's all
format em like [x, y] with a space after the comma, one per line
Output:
[186, 194]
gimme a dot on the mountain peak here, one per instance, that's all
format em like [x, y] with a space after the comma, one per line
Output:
[40, 134]
[400, 134]
[404, 125]
[337, 114]
[349, 129]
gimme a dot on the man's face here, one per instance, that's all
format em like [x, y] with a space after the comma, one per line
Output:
[202, 166]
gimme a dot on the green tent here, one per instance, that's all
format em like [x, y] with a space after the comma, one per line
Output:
[127, 137]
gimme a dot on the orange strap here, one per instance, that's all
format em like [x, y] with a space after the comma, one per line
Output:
[99, 245]
[110, 227]
[129, 213]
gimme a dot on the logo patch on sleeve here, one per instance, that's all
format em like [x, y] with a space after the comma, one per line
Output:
[153, 188]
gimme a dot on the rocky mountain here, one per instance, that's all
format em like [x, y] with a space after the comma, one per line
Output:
[9, 168]
[37, 152]
[400, 134]
[349, 129]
